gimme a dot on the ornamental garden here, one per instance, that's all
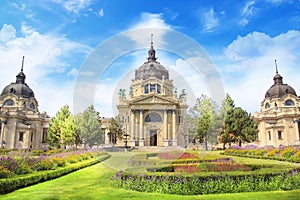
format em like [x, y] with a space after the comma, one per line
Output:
[235, 170]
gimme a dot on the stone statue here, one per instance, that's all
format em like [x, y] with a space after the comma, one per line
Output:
[122, 93]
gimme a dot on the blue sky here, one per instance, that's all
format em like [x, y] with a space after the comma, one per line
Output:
[242, 38]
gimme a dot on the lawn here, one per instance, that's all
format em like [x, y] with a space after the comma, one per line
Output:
[94, 183]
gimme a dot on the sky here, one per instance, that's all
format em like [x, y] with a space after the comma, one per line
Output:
[86, 50]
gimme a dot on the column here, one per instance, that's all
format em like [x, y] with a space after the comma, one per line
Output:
[2, 133]
[297, 131]
[132, 122]
[165, 126]
[174, 141]
[141, 141]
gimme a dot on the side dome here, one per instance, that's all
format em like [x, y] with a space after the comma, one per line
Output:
[152, 68]
[19, 88]
[278, 89]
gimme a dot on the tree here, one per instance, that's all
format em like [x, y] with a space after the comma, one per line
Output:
[62, 130]
[115, 130]
[238, 125]
[204, 115]
[226, 114]
[89, 127]
[244, 127]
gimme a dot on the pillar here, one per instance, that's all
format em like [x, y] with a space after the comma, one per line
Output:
[165, 126]
[2, 133]
[141, 141]
[174, 139]
[132, 122]
[297, 131]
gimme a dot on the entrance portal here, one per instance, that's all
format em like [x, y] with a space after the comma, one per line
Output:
[153, 137]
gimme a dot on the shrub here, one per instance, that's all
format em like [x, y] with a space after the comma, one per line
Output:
[45, 164]
[4, 172]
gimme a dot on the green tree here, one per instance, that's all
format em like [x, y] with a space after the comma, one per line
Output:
[204, 115]
[238, 126]
[226, 113]
[115, 130]
[244, 127]
[89, 127]
[62, 130]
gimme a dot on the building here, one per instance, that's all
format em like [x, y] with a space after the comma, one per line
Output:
[154, 112]
[278, 120]
[22, 125]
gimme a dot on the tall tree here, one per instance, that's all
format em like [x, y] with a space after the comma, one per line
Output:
[62, 131]
[204, 114]
[238, 125]
[89, 127]
[226, 113]
[115, 130]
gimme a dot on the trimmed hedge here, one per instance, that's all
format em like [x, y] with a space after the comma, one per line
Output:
[10, 184]
[196, 184]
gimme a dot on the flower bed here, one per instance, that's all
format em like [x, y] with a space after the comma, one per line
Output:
[197, 184]
[13, 183]
[18, 163]
[283, 153]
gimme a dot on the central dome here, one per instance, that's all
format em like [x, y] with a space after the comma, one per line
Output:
[152, 68]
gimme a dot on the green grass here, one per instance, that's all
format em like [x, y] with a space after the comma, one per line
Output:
[94, 183]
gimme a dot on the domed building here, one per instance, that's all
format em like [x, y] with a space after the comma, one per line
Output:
[154, 112]
[22, 125]
[278, 121]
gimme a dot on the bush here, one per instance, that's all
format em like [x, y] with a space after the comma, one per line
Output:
[13, 183]
[212, 184]
[4, 172]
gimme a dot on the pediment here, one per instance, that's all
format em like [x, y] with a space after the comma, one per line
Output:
[153, 99]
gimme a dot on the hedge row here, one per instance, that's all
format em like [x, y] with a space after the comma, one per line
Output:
[279, 158]
[10, 184]
[196, 184]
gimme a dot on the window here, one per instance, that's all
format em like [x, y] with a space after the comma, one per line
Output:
[279, 135]
[32, 106]
[269, 134]
[152, 88]
[9, 102]
[267, 106]
[153, 117]
[289, 103]
[158, 88]
[146, 89]
[21, 136]
[45, 135]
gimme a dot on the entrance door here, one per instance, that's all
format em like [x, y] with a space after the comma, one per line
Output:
[153, 137]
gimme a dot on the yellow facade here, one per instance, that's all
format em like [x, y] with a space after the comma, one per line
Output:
[153, 113]
[278, 120]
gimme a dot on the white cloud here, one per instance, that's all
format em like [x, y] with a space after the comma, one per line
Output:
[209, 20]
[74, 6]
[148, 24]
[73, 72]
[7, 33]
[101, 13]
[26, 30]
[247, 12]
[249, 65]
[45, 55]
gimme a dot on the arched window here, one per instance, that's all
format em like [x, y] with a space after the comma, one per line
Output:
[267, 106]
[158, 89]
[9, 102]
[32, 106]
[153, 117]
[146, 89]
[289, 103]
